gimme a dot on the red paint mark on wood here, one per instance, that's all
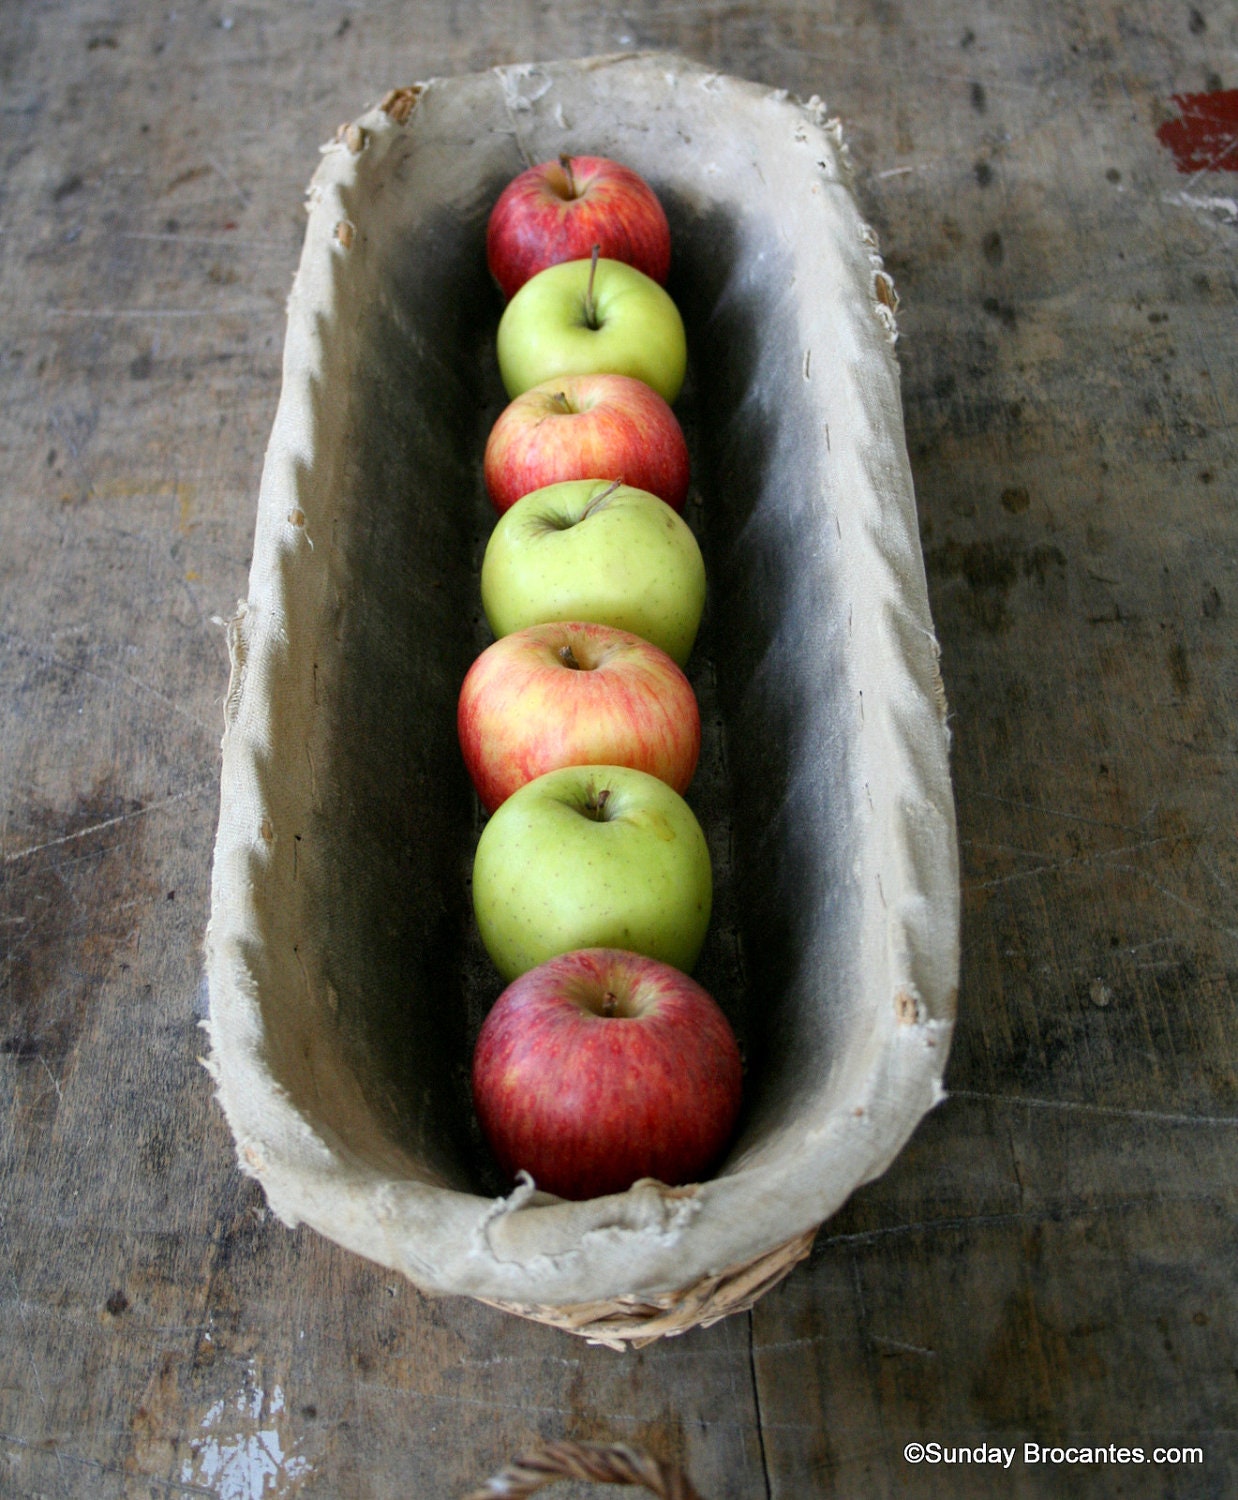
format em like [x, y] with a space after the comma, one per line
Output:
[1205, 138]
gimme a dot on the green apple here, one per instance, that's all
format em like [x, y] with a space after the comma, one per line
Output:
[581, 318]
[592, 857]
[586, 549]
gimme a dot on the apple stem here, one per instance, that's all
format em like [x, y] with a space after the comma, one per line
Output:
[565, 161]
[561, 398]
[610, 1003]
[600, 498]
[568, 657]
[591, 316]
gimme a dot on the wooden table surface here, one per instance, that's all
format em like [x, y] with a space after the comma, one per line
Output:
[1052, 1260]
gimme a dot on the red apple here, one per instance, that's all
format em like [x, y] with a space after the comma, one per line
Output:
[587, 427]
[575, 694]
[559, 210]
[601, 1067]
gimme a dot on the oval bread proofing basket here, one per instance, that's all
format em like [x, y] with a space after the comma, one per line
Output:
[347, 983]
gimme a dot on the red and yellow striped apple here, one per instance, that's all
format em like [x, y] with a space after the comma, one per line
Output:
[558, 210]
[601, 1067]
[571, 694]
[587, 427]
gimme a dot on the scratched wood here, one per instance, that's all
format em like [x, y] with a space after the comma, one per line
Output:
[1053, 1258]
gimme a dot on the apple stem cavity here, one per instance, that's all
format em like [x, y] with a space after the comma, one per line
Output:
[568, 657]
[595, 805]
[591, 315]
[610, 1003]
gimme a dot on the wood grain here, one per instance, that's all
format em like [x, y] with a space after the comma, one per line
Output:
[1053, 1258]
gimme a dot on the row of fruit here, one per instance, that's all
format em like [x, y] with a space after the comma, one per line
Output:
[602, 1062]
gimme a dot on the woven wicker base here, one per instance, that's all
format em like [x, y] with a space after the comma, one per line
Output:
[633, 1322]
[595, 1463]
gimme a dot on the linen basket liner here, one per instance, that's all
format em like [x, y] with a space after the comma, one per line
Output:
[334, 954]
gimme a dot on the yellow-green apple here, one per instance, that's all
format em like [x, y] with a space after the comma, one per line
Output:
[592, 857]
[575, 694]
[560, 209]
[588, 550]
[583, 316]
[583, 426]
[601, 1067]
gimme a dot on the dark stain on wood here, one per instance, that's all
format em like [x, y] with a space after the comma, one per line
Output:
[990, 567]
[68, 894]
[1029, 1359]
